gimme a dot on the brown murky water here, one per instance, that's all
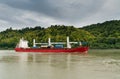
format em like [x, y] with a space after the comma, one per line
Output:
[57, 66]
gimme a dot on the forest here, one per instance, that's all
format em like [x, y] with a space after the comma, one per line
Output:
[104, 35]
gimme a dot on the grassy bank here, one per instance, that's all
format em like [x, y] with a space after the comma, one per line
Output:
[6, 48]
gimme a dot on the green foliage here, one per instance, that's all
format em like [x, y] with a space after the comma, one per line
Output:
[106, 29]
[10, 37]
[102, 35]
[106, 34]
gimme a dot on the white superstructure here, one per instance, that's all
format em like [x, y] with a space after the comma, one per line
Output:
[23, 43]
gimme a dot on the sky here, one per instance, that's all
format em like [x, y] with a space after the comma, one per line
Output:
[30, 13]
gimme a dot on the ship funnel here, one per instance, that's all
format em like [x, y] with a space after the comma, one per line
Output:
[68, 43]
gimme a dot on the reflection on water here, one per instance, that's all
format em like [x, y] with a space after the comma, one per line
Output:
[56, 66]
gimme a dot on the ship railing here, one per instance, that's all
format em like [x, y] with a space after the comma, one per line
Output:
[73, 42]
[41, 43]
[59, 43]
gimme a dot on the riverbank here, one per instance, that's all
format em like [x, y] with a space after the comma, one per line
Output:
[6, 48]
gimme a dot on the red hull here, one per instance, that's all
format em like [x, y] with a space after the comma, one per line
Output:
[53, 50]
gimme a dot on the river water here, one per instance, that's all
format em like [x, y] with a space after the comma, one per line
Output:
[15, 65]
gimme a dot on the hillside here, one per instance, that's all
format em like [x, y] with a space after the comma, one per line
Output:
[101, 35]
[107, 34]
[10, 37]
[106, 29]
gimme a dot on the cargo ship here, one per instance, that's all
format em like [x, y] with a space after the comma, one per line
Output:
[51, 47]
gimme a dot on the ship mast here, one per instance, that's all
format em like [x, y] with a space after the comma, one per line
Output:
[68, 43]
[34, 45]
[49, 42]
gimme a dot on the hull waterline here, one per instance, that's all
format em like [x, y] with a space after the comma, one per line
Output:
[53, 50]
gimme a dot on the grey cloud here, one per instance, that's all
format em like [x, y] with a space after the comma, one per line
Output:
[9, 14]
[46, 12]
[41, 6]
[67, 10]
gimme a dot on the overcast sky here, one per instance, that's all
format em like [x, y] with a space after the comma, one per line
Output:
[29, 13]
